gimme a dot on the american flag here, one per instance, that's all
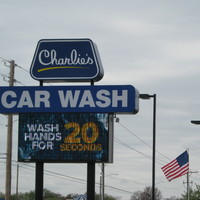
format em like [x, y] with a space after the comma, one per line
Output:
[177, 167]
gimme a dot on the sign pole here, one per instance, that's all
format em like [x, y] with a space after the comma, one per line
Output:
[39, 181]
[39, 176]
[90, 180]
[91, 177]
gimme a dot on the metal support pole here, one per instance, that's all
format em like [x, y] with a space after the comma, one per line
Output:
[91, 181]
[147, 96]
[9, 141]
[154, 147]
[39, 176]
[91, 175]
[103, 180]
[39, 181]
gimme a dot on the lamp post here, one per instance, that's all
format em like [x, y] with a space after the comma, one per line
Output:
[146, 97]
[196, 122]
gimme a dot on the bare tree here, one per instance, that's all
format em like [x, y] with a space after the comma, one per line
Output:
[146, 194]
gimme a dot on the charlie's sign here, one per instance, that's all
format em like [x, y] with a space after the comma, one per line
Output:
[99, 99]
[66, 60]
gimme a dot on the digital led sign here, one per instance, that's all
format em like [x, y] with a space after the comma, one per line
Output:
[66, 137]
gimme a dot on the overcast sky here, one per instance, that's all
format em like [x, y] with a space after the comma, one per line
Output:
[152, 45]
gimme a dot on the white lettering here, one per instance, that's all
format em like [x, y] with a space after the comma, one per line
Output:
[87, 99]
[58, 136]
[25, 100]
[116, 98]
[28, 136]
[4, 99]
[71, 99]
[51, 127]
[42, 96]
[35, 136]
[32, 127]
[68, 99]
[74, 58]
[9, 99]
[42, 136]
[42, 127]
[105, 101]
[42, 145]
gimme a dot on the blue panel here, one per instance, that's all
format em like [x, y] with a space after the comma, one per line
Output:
[67, 99]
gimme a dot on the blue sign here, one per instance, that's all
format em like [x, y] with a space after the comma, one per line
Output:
[66, 60]
[66, 99]
[81, 197]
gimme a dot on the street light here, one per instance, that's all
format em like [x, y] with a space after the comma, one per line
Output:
[197, 122]
[146, 97]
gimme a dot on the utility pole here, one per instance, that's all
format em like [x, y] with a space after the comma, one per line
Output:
[17, 182]
[188, 184]
[9, 141]
[102, 182]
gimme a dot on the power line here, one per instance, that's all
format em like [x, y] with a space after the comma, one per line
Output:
[71, 178]
[22, 68]
[143, 154]
[121, 190]
[124, 144]
[141, 139]
[3, 59]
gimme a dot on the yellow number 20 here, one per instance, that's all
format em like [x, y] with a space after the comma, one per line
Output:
[72, 137]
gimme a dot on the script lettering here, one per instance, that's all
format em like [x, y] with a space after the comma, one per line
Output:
[50, 58]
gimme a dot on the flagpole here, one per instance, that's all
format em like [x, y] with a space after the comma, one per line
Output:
[188, 181]
[188, 187]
